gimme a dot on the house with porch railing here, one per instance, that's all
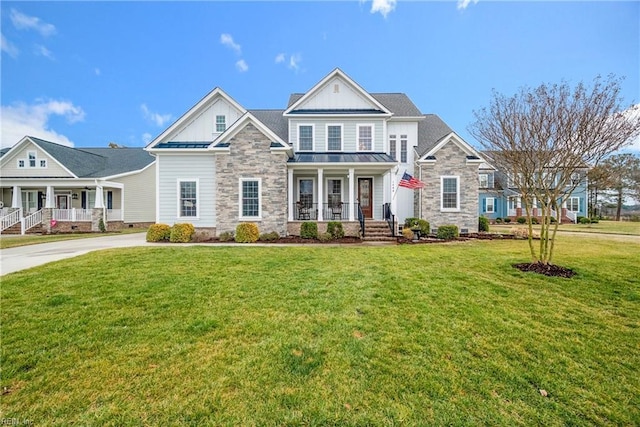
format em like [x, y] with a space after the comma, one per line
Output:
[48, 187]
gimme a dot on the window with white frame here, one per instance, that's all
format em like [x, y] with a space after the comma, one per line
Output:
[574, 204]
[484, 180]
[392, 147]
[334, 191]
[250, 198]
[403, 148]
[21, 163]
[43, 163]
[450, 193]
[334, 137]
[188, 198]
[490, 205]
[305, 138]
[221, 124]
[32, 159]
[305, 192]
[365, 137]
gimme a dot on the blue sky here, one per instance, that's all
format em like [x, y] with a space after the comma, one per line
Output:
[90, 73]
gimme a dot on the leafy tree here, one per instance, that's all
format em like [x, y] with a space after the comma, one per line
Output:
[547, 136]
[622, 172]
[599, 181]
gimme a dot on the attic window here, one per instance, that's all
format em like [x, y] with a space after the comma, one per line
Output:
[221, 124]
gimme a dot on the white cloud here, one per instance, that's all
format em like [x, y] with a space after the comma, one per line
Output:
[97, 71]
[227, 40]
[146, 138]
[280, 58]
[293, 63]
[159, 119]
[20, 119]
[462, 4]
[26, 22]
[633, 113]
[8, 47]
[242, 66]
[43, 51]
[383, 6]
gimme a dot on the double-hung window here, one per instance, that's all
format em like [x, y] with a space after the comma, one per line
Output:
[484, 180]
[334, 191]
[250, 198]
[450, 193]
[490, 205]
[574, 204]
[392, 147]
[403, 148]
[334, 137]
[221, 124]
[365, 137]
[188, 198]
[32, 159]
[305, 138]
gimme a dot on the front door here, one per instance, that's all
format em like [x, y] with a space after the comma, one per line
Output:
[62, 201]
[365, 196]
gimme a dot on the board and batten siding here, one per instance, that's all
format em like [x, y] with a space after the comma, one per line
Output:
[203, 126]
[174, 167]
[139, 195]
[53, 169]
[349, 132]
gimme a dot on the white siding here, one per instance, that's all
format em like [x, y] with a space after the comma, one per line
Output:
[203, 126]
[174, 167]
[349, 133]
[337, 94]
[10, 165]
[139, 196]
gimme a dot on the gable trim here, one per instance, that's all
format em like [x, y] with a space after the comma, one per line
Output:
[451, 137]
[239, 124]
[11, 154]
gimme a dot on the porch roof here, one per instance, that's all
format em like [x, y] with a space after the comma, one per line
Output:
[183, 144]
[342, 158]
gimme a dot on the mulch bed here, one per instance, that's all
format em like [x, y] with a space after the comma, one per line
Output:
[546, 269]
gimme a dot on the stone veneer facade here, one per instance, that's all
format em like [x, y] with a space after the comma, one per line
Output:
[450, 161]
[250, 156]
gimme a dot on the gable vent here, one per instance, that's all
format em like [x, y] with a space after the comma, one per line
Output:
[336, 88]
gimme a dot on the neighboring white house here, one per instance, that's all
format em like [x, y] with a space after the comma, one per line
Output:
[60, 188]
[336, 152]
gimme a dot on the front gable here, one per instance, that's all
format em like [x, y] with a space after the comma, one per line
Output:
[335, 94]
[28, 160]
[453, 141]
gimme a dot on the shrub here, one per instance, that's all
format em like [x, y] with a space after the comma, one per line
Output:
[521, 220]
[269, 237]
[483, 223]
[498, 220]
[182, 233]
[507, 220]
[579, 219]
[101, 226]
[448, 232]
[534, 220]
[309, 230]
[407, 233]
[553, 220]
[335, 229]
[325, 237]
[594, 220]
[419, 223]
[158, 233]
[247, 232]
[227, 236]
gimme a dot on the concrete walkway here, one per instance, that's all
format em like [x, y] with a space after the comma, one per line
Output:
[23, 257]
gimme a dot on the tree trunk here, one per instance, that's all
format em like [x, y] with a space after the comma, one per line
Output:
[619, 205]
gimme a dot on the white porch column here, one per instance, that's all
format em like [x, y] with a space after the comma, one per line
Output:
[99, 204]
[290, 200]
[320, 193]
[394, 189]
[352, 195]
[16, 199]
[50, 203]
[519, 202]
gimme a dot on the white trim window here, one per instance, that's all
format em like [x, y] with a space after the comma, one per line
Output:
[365, 137]
[305, 137]
[305, 191]
[43, 163]
[32, 159]
[334, 191]
[450, 193]
[21, 163]
[490, 205]
[250, 198]
[484, 180]
[573, 204]
[393, 147]
[334, 137]
[221, 123]
[403, 148]
[188, 198]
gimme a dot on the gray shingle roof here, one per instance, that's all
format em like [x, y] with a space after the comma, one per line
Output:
[274, 120]
[398, 103]
[96, 162]
[430, 131]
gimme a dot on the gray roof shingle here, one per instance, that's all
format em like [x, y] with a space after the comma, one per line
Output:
[398, 103]
[274, 120]
[430, 131]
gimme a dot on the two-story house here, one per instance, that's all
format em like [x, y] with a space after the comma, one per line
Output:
[335, 153]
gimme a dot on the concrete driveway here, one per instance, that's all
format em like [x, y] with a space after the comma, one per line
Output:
[23, 257]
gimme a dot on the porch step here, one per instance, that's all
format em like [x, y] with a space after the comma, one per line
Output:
[377, 231]
[15, 229]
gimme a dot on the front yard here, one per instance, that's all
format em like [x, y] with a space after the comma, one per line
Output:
[409, 335]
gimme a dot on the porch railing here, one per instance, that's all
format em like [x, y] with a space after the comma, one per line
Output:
[114, 215]
[330, 211]
[361, 219]
[573, 216]
[512, 212]
[11, 216]
[30, 221]
[74, 214]
[388, 216]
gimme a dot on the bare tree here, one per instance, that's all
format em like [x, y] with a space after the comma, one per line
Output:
[547, 137]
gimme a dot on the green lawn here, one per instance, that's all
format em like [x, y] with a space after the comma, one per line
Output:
[607, 227]
[12, 241]
[443, 334]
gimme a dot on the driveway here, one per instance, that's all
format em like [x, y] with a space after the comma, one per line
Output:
[23, 257]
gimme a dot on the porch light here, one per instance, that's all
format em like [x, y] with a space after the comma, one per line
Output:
[75, 196]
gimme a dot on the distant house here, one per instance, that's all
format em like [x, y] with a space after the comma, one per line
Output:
[50, 187]
[335, 153]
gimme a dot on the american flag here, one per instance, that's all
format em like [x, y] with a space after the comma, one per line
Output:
[408, 181]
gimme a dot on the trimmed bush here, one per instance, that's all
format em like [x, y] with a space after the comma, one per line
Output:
[448, 232]
[534, 220]
[507, 220]
[498, 220]
[269, 237]
[159, 233]
[483, 223]
[584, 220]
[247, 232]
[182, 233]
[335, 229]
[309, 230]
[521, 220]
[407, 233]
[594, 220]
[422, 224]
[325, 237]
[553, 220]
[227, 236]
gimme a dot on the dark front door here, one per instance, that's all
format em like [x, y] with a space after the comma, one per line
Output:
[365, 196]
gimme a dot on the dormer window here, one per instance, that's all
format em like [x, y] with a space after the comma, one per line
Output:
[32, 161]
[221, 124]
